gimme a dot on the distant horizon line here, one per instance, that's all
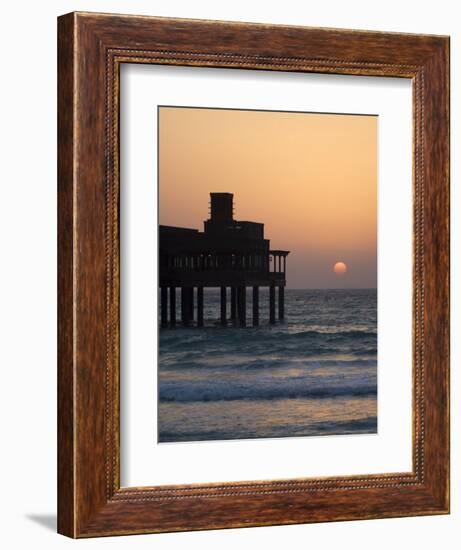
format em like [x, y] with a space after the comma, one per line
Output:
[333, 288]
[325, 288]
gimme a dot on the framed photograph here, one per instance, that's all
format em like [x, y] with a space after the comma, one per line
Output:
[253, 275]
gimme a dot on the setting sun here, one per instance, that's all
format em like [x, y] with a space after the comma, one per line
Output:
[340, 268]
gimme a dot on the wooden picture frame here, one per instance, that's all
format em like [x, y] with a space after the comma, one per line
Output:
[91, 49]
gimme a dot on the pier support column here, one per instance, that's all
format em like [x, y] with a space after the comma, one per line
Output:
[255, 306]
[191, 303]
[281, 303]
[172, 306]
[233, 303]
[223, 306]
[272, 304]
[164, 306]
[185, 306]
[200, 306]
[242, 305]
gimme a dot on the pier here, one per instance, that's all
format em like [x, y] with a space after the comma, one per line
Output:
[228, 254]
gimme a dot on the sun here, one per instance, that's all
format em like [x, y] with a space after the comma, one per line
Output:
[340, 268]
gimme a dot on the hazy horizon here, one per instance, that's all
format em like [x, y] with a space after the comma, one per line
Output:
[310, 178]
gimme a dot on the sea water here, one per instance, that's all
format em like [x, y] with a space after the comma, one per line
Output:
[313, 374]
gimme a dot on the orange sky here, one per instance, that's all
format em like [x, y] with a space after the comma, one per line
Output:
[310, 178]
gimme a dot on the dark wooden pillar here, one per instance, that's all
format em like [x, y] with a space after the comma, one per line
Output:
[164, 306]
[191, 303]
[272, 304]
[281, 302]
[172, 306]
[242, 305]
[223, 306]
[233, 303]
[200, 306]
[255, 306]
[185, 306]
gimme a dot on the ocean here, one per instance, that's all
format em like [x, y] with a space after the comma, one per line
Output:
[313, 374]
